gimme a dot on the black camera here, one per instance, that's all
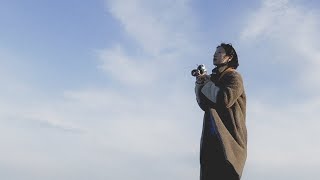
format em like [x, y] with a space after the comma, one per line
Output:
[201, 69]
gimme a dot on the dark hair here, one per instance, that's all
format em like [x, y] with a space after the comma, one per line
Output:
[230, 51]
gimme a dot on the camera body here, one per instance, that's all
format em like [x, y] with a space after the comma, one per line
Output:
[201, 69]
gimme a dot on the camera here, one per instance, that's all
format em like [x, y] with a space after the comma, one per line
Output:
[201, 69]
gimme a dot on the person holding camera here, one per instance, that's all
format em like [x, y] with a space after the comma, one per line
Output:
[221, 95]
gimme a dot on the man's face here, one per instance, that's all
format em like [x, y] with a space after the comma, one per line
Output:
[220, 56]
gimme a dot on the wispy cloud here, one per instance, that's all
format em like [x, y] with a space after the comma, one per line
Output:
[162, 34]
[265, 20]
[157, 26]
[293, 29]
[126, 69]
[110, 129]
[153, 118]
[281, 129]
[279, 137]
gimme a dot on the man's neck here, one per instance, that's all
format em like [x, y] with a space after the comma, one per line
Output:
[219, 69]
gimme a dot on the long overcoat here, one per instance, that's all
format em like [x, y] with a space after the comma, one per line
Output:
[224, 134]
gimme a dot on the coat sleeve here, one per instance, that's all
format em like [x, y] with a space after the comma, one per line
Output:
[200, 102]
[206, 94]
[231, 88]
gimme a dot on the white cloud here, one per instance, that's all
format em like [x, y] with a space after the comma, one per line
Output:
[95, 133]
[162, 31]
[154, 131]
[282, 132]
[104, 128]
[293, 29]
[158, 26]
[113, 129]
[126, 69]
[282, 140]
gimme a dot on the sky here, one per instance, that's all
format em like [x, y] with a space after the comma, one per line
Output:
[102, 89]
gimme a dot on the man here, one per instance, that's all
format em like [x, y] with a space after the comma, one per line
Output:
[221, 96]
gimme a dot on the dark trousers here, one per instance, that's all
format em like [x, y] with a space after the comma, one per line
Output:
[223, 171]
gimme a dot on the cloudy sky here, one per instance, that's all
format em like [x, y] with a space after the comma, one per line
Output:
[102, 89]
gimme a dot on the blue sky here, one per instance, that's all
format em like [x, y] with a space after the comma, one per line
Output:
[102, 89]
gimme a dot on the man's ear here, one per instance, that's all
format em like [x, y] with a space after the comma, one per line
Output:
[230, 58]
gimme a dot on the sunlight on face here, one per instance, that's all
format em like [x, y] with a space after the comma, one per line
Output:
[220, 56]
